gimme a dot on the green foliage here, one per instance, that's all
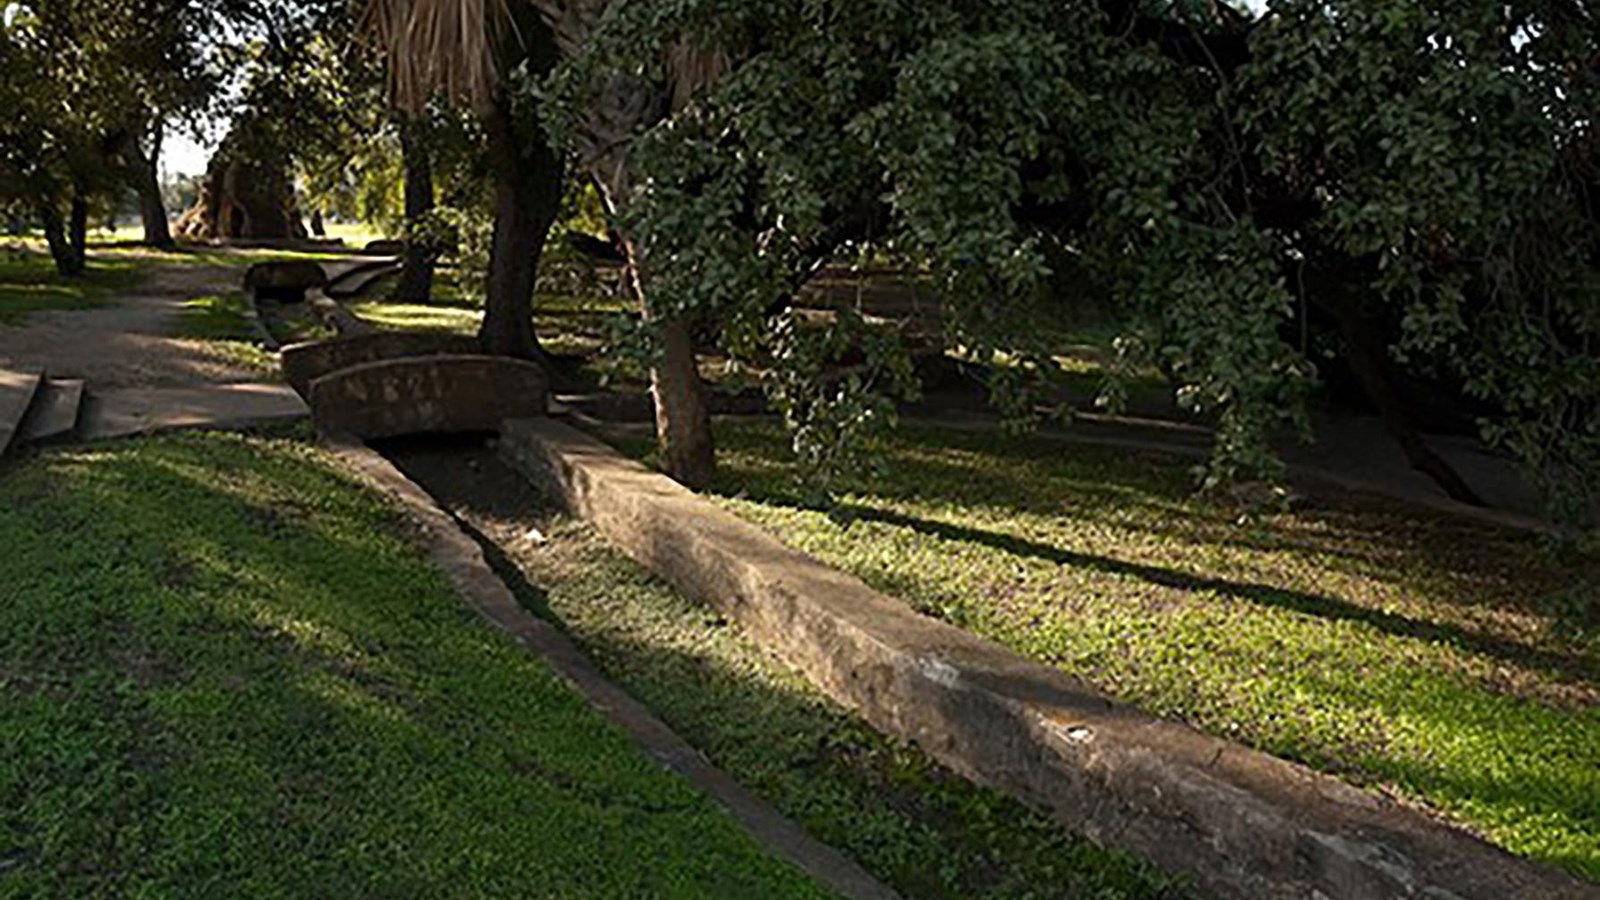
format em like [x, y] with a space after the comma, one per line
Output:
[1450, 145]
[85, 82]
[239, 677]
[1454, 664]
[1222, 184]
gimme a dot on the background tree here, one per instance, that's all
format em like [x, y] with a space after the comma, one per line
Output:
[298, 87]
[1369, 197]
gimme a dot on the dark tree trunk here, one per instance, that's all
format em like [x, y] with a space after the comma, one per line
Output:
[249, 197]
[1367, 354]
[147, 180]
[683, 422]
[55, 236]
[416, 268]
[317, 227]
[684, 442]
[528, 180]
[78, 230]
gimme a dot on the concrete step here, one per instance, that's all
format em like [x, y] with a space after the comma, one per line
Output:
[17, 390]
[119, 412]
[55, 414]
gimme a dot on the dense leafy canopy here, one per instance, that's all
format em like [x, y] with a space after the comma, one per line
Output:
[1419, 177]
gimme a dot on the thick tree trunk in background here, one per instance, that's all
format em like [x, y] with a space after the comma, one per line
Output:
[243, 196]
[317, 228]
[147, 180]
[528, 181]
[416, 269]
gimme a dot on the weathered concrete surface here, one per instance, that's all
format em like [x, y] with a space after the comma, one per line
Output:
[16, 395]
[1243, 823]
[285, 281]
[356, 280]
[304, 363]
[54, 415]
[125, 411]
[462, 561]
[421, 394]
[334, 315]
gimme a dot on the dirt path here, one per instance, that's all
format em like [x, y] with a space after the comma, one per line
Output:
[128, 343]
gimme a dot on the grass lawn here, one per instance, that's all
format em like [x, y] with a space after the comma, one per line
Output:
[565, 324]
[929, 834]
[224, 671]
[1452, 664]
[221, 323]
[29, 284]
[438, 317]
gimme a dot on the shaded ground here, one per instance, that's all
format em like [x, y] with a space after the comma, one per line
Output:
[1450, 663]
[239, 678]
[923, 831]
[127, 340]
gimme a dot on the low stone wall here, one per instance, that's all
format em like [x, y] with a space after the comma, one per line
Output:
[1244, 824]
[304, 363]
[426, 394]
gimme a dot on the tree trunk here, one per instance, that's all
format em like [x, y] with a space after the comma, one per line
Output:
[317, 228]
[78, 231]
[243, 196]
[528, 180]
[147, 180]
[55, 236]
[683, 422]
[1367, 355]
[416, 269]
[684, 442]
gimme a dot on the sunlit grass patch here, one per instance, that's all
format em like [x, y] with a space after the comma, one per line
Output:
[221, 323]
[1454, 664]
[224, 670]
[29, 284]
[419, 317]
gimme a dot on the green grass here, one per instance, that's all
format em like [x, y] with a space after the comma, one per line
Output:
[564, 323]
[924, 831]
[29, 284]
[437, 317]
[1449, 663]
[222, 324]
[226, 673]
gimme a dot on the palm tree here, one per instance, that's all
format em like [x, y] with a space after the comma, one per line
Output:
[453, 49]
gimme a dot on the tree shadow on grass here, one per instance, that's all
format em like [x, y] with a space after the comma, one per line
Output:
[929, 833]
[1433, 558]
[1567, 665]
[333, 720]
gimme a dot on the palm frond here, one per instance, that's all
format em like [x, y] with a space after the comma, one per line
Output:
[437, 48]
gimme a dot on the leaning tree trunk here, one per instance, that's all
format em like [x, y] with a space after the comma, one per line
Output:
[1366, 352]
[528, 180]
[684, 442]
[416, 269]
[147, 181]
[55, 237]
[78, 230]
